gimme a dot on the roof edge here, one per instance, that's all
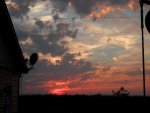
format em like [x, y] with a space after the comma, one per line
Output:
[22, 65]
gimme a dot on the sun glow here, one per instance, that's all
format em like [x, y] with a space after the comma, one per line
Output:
[59, 91]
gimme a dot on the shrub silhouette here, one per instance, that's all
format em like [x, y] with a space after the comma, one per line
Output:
[121, 92]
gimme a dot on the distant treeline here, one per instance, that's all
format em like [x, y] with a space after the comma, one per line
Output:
[78, 103]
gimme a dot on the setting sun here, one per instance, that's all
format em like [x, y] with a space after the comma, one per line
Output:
[58, 92]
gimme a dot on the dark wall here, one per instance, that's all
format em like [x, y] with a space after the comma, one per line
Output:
[11, 63]
[6, 57]
[9, 91]
[11, 56]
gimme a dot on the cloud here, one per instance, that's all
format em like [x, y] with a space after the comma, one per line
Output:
[61, 68]
[26, 42]
[39, 23]
[51, 43]
[14, 6]
[119, 2]
[67, 68]
[60, 4]
[23, 35]
[70, 67]
[85, 7]
[71, 61]
[47, 44]
[20, 8]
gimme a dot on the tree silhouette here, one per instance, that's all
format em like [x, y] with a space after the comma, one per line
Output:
[121, 92]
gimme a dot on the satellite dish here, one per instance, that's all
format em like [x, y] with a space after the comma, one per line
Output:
[147, 21]
[33, 58]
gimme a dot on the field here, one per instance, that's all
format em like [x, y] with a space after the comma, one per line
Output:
[82, 103]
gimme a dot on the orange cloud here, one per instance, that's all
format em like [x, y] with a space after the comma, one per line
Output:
[133, 4]
[50, 59]
[57, 83]
[104, 10]
[14, 6]
[101, 11]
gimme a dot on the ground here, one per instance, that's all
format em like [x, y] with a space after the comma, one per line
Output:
[78, 103]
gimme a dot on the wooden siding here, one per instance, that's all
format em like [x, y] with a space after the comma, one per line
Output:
[11, 60]
[8, 75]
[9, 79]
[6, 59]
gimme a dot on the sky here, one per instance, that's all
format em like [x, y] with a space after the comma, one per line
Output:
[84, 46]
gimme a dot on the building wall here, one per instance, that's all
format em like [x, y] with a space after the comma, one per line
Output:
[11, 63]
[9, 79]
[6, 55]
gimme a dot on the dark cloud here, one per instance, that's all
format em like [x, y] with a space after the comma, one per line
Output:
[44, 44]
[131, 72]
[70, 66]
[63, 29]
[82, 7]
[118, 2]
[22, 35]
[85, 7]
[39, 23]
[60, 4]
[134, 72]
[41, 44]
[86, 77]
[50, 43]
[67, 68]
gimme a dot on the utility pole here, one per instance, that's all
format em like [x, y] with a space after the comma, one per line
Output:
[142, 2]
[143, 51]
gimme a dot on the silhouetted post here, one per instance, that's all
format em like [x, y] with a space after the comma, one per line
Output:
[143, 56]
[142, 2]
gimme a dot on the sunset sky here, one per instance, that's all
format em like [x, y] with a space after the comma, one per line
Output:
[84, 46]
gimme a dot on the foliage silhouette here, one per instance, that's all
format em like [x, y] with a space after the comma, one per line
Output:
[121, 92]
